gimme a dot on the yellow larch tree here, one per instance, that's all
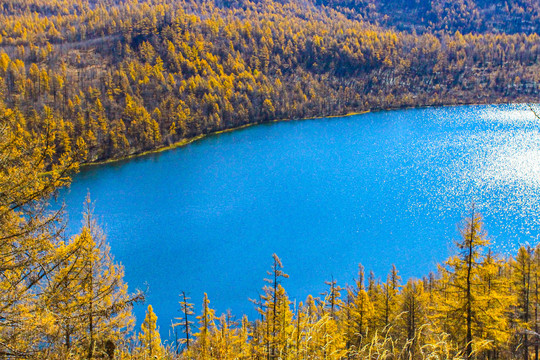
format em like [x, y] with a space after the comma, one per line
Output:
[88, 296]
[29, 238]
[149, 337]
[206, 330]
[464, 306]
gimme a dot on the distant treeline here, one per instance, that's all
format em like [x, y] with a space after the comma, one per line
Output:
[114, 78]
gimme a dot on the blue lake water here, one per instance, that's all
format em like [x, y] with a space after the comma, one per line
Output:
[325, 195]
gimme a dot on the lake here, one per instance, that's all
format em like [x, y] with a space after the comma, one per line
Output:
[325, 195]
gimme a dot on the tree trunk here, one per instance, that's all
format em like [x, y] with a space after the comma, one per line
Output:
[468, 350]
[186, 320]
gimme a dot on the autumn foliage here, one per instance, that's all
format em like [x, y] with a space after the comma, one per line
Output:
[89, 80]
[124, 77]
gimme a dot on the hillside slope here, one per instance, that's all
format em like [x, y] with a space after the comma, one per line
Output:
[122, 77]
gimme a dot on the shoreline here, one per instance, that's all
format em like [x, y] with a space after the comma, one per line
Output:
[185, 142]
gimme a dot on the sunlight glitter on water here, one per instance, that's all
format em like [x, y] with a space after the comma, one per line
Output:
[490, 157]
[505, 174]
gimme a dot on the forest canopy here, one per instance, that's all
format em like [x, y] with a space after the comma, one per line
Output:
[124, 77]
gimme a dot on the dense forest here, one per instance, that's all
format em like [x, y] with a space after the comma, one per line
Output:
[495, 16]
[89, 80]
[123, 77]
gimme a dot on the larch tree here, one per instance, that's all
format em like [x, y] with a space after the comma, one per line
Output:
[299, 332]
[464, 305]
[274, 297]
[29, 233]
[184, 322]
[333, 297]
[362, 312]
[411, 322]
[285, 328]
[226, 337]
[88, 295]
[536, 299]
[149, 336]
[496, 299]
[105, 296]
[389, 295]
[312, 332]
[206, 329]
[522, 283]
[242, 340]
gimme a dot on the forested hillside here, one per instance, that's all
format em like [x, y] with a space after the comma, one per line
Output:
[466, 16]
[122, 77]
